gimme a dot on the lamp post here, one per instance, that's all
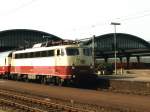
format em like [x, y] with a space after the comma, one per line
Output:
[115, 45]
[93, 50]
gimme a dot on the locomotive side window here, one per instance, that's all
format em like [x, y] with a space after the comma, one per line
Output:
[25, 55]
[28, 55]
[16, 56]
[37, 54]
[21, 55]
[31, 54]
[44, 54]
[72, 51]
[87, 51]
[50, 53]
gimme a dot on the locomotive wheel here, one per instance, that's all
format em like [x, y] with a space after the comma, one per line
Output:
[58, 81]
[8, 76]
[67, 83]
[15, 77]
[43, 80]
[26, 80]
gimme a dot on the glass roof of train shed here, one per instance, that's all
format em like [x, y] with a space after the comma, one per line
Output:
[126, 45]
[22, 38]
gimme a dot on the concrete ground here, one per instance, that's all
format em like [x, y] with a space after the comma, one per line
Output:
[131, 75]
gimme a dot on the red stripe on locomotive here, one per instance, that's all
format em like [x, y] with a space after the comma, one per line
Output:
[61, 71]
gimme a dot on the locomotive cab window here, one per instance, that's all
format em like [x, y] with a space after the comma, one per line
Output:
[72, 51]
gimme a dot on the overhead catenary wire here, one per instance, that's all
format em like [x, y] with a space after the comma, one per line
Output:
[126, 18]
[135, 16]
[13, 10]
[105, 23]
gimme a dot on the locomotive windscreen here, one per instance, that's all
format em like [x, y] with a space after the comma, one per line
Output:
[72, 51]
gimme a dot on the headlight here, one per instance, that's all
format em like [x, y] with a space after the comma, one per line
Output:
[73, 76]
[91, 66]
[73, 67]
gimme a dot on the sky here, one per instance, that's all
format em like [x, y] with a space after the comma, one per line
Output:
[77, 19]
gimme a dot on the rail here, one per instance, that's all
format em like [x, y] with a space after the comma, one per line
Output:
[30, 104]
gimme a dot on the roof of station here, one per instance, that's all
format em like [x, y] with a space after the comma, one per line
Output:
[16, 38]
[126, 44]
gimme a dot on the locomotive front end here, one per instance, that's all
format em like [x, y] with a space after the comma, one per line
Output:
[80, 61]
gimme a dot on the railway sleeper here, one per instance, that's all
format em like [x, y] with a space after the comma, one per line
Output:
[19, 106]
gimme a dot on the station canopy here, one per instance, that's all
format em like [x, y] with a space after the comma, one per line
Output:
[126, 46]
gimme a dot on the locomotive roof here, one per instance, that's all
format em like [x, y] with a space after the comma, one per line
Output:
[46, 48]
[5, 54]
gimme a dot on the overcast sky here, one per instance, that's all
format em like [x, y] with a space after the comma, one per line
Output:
[77, 19]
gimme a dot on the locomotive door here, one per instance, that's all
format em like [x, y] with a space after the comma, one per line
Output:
[8, 62]
[58, 62]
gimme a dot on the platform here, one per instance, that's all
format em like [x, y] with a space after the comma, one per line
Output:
[133, 82]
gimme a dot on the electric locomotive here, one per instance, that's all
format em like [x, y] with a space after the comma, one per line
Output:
[51, 63]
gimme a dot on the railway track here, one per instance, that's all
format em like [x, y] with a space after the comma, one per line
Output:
[24, 103]
[65, 99]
